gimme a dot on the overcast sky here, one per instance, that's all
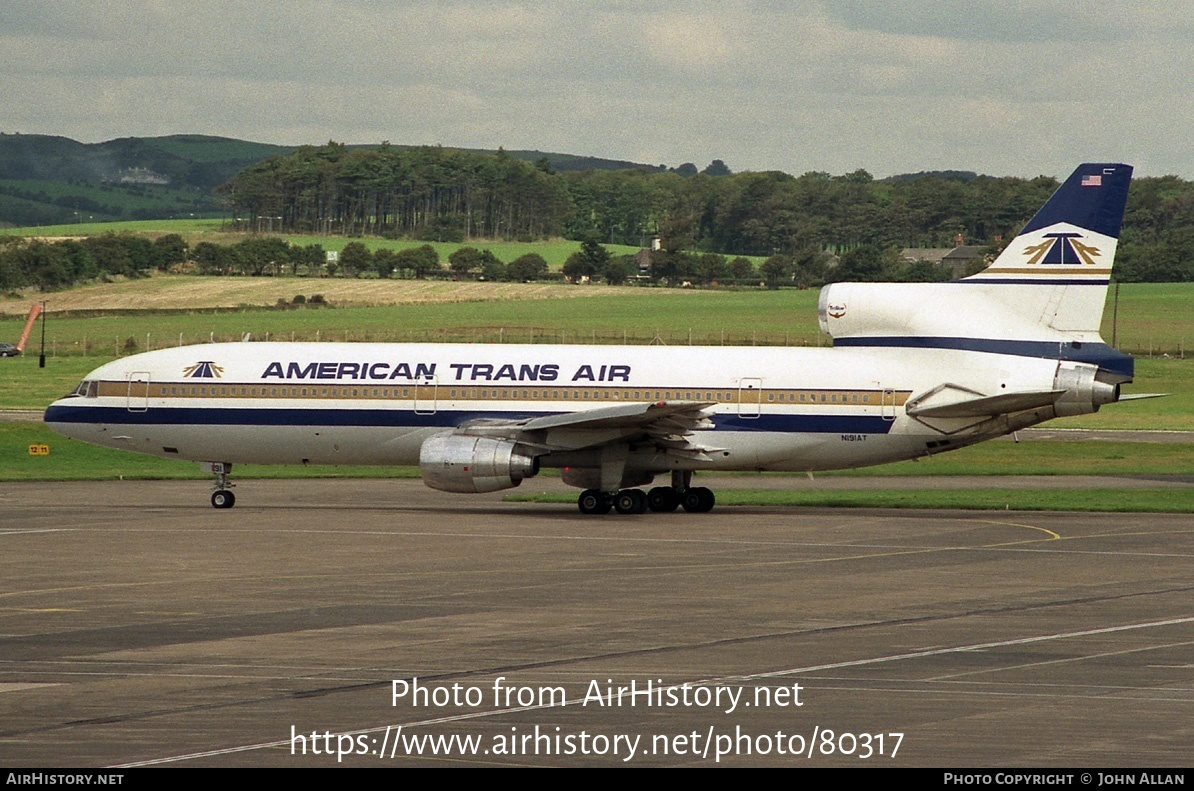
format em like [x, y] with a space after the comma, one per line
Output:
[1005, 87]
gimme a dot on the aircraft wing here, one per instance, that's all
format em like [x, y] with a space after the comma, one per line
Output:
[668, 424]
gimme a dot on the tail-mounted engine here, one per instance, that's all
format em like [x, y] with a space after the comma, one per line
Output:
[461, 463]
[1085, 392]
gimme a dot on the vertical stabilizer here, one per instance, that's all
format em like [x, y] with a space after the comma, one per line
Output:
[1042, 297]
[1065, 253]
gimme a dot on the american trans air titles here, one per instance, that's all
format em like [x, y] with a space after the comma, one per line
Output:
[915, 369]
[460, 372]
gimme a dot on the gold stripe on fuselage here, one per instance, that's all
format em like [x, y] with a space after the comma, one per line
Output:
[541, 393]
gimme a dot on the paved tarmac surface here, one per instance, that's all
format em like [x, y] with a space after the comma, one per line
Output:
[139, 625]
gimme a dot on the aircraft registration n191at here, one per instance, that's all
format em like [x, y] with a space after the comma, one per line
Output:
[915, 369]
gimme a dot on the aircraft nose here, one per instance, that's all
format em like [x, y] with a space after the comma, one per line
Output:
[60, 417]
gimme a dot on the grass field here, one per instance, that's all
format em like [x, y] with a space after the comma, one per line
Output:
[70, 460]
[73, 460]
[415, 311]
[112, 200]
[1151, 316]
[1154, 321]
[191, 226]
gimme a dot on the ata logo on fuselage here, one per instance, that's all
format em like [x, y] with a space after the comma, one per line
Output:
[1062, 248]
[205, 369]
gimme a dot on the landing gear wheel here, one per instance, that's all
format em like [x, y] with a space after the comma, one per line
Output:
[631, 501]
[663, 499]
[698, 500]
[594, 501]
[222, 498]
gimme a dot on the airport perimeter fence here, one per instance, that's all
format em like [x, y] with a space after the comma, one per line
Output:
[133, 341]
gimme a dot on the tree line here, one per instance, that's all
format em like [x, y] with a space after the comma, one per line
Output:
[53, 265]
[439, 194]
[435, 194]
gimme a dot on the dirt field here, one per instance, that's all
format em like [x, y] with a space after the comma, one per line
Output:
[188, 291]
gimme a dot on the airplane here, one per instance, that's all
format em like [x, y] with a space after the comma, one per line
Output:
[915, 369]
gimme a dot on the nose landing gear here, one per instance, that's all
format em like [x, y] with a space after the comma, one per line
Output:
[222, 497]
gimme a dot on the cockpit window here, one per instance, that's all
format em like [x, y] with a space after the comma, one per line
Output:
[86, 389]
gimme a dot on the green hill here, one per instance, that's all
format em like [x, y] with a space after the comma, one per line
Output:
[48, 180]
[51, 180]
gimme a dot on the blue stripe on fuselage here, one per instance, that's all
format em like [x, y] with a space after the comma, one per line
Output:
[1099, 354]
[982, 279]
[405, 418]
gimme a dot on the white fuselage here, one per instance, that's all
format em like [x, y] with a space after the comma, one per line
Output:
[345, 403]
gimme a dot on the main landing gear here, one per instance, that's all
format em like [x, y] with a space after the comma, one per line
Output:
[222, 497]
[661, 499]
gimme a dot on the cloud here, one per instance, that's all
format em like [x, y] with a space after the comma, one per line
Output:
[1001, 87]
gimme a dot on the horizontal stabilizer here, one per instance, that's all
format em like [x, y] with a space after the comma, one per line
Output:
[984, 406]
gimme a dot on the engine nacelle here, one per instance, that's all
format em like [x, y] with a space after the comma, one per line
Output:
[460, 463]
[1085, 393]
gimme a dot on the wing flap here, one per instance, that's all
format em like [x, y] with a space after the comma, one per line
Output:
[682, 415]
[668, 424]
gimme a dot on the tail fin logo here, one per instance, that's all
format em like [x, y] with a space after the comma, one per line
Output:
[205, 369]
[1062, 248]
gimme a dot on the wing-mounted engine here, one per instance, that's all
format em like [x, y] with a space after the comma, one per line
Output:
[468, 464]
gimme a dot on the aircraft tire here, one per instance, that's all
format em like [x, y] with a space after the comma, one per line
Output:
[698, 500]
[631, 501]
[594, 501]
[663, 499]
[222, 498]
